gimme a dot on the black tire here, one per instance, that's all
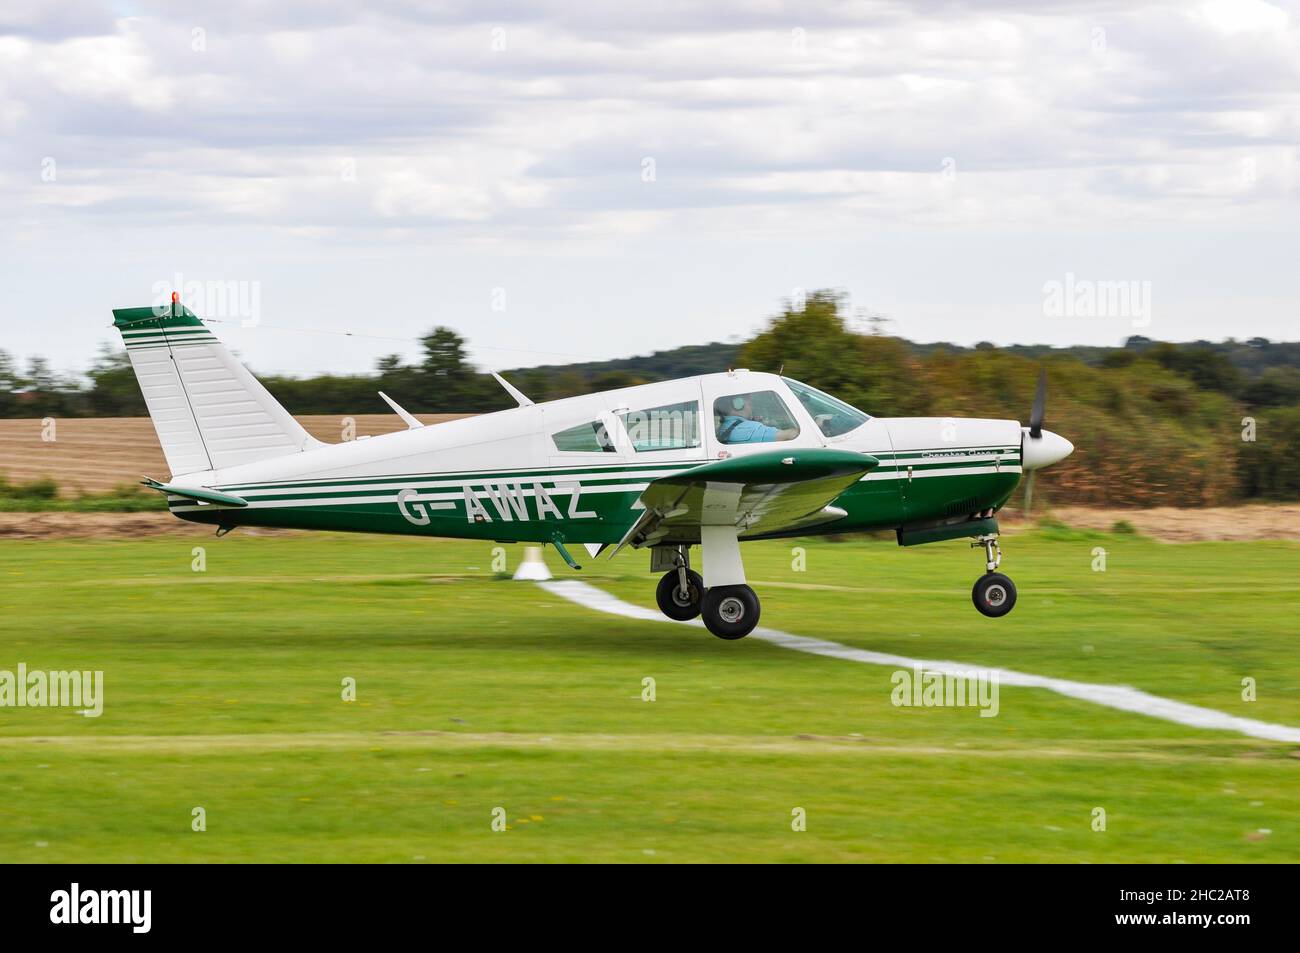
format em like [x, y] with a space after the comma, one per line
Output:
[669, 595]
[730, 612]
[994, 594]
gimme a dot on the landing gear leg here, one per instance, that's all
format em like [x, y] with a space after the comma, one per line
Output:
[680, 589]
[730, 608]
[994, 594]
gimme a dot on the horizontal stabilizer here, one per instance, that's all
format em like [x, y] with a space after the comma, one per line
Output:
[202, 495]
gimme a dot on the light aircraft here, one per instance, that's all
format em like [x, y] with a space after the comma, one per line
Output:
[706, 461]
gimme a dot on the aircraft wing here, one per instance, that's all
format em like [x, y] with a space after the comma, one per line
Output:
[759, 493]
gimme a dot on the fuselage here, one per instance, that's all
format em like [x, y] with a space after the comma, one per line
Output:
[577, 466]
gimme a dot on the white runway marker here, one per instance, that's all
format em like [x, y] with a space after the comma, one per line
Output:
[1120, 697]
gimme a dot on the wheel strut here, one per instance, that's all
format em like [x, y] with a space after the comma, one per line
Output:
[683, 560]
[992, 551]
[994, 594]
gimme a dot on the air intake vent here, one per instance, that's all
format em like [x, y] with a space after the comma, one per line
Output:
[961, 507]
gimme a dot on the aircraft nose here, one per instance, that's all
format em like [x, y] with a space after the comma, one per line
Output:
[1044, 450]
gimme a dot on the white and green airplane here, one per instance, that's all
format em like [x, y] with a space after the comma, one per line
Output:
[710, 461]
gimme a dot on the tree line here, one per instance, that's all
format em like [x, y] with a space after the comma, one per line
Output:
[1154, 423]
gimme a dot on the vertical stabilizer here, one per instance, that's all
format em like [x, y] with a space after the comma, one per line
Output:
[208, 410]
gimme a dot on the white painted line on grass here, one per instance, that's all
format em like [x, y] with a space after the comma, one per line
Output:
[1120, 697]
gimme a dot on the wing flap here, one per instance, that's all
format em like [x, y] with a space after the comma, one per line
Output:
[758, 493]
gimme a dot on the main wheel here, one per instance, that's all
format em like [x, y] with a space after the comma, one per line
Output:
[672, 602]
[994, 594]
[730, 612]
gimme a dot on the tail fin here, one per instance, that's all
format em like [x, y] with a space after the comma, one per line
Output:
[209, 411]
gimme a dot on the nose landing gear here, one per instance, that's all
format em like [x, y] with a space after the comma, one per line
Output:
[994, 594]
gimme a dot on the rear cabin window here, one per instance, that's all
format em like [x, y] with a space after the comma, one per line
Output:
[584, 438]
[670, 427]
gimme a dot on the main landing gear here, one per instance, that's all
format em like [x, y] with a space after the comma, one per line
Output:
[993, 594]
[729, 607]
[680, 592]
[730, 612]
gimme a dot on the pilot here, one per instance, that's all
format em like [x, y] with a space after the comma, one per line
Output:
[738, 424]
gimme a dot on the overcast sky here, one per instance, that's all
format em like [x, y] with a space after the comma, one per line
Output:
[569, 180]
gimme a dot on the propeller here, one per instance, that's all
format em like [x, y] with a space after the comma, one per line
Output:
[1036, 430]
[1040, 404]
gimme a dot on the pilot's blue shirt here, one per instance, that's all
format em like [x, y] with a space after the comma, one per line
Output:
[745, 431]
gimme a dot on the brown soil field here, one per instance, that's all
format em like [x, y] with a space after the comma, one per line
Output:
[105, 526]
[94, 454]
[1175, 525]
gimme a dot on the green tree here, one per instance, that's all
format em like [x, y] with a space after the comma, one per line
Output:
[10, 383]
[47, 392]
[1268, 466]
[810, 344]
[397, 380]
[114, 391]
[813, 345]
[1208, 368]
[446, 381]
[1273, 388]
[614, 380]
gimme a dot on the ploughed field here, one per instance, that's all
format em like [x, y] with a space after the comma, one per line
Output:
[94, 454]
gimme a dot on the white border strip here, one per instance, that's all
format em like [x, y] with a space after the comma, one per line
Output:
[1120, 697]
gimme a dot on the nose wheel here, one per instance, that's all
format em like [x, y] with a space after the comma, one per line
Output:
[994, 594]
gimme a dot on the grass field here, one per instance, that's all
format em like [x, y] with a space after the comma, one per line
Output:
[223, 691]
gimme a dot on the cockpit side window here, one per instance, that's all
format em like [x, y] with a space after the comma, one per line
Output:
[754, 417]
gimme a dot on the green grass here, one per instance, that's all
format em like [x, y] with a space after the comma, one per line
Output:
[42, 496]
[223, 691]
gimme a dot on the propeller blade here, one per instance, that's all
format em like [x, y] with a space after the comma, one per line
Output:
[1040, 406]
[1029, 491]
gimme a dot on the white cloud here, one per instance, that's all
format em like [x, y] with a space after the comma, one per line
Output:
[451, 129]
[764, 119]
[1238, 16]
